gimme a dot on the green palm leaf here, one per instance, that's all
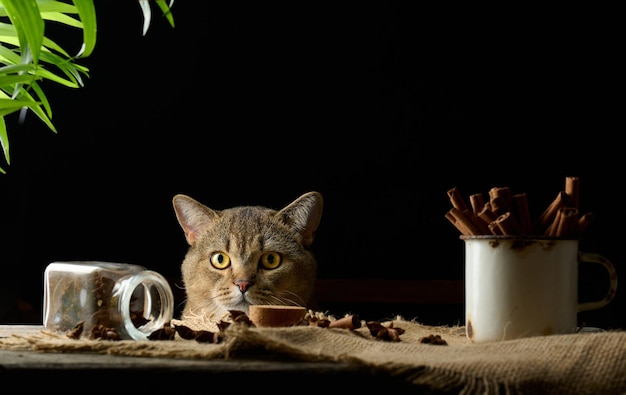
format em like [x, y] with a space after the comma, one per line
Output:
[28, 57]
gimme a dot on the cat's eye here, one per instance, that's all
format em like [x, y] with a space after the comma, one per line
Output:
[271, 260]
[220, 260]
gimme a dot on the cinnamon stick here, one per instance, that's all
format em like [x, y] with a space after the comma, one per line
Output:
[498, 205]
[547, 217]
[522, 213]
[501, 200]
[481, 225]
[551, 229]
[584, 221]
[477, 202]
[456, 199]
[495, 229]
[572, 189]
[568, 222]
[348, 322]
[463, 224]
[507, 214]
[486, 214]
[507, 224]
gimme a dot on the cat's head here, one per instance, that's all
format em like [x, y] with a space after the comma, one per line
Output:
[247, 255]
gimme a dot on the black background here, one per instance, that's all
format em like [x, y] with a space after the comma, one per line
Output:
[382, 107]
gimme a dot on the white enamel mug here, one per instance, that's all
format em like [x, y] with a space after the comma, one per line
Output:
[525, 286]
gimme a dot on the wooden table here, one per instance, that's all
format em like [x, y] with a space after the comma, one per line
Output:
[28, 371]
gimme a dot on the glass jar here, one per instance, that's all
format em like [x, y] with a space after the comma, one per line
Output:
[107, 300]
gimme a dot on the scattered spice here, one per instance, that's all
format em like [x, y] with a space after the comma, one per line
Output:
[349, 322]
[209, 337]
[240, 316]
[137, 318]
[201, 336]
[75, 332]
[433, 339]
[185, 332]
[165, 333]
[169, 331]
[385, 333]
[104, 333]
[320, 322]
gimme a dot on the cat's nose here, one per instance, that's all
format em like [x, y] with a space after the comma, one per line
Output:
[243, 285]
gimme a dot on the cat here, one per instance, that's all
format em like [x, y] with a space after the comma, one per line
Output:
[247, 255]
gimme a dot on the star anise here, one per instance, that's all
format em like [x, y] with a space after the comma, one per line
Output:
[386, 333]
[434, 339]
[76, 331]
[138, 319]
[319, 322]
[104, 333]
[240, 316]
[201, 336]
[165, 333]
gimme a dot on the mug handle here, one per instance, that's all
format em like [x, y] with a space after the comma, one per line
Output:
[596, 258]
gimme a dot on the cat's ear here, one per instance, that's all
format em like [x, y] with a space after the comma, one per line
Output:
[192, 216]
[305, 214]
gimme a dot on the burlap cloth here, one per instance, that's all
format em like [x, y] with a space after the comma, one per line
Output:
[581, 363]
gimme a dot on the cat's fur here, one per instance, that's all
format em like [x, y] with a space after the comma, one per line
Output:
[245, 235]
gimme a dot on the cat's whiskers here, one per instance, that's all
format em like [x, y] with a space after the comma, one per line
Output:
[204, 315]
[299, 302]
[217, 306]
[181, 304]
[288, 301]
[213, 303]
[184, 301]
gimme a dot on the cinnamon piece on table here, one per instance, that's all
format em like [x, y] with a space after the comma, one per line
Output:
[348, 322]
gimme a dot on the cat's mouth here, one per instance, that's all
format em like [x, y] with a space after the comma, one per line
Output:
[241, 303]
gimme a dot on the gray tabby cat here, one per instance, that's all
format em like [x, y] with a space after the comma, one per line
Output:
[247, 255]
